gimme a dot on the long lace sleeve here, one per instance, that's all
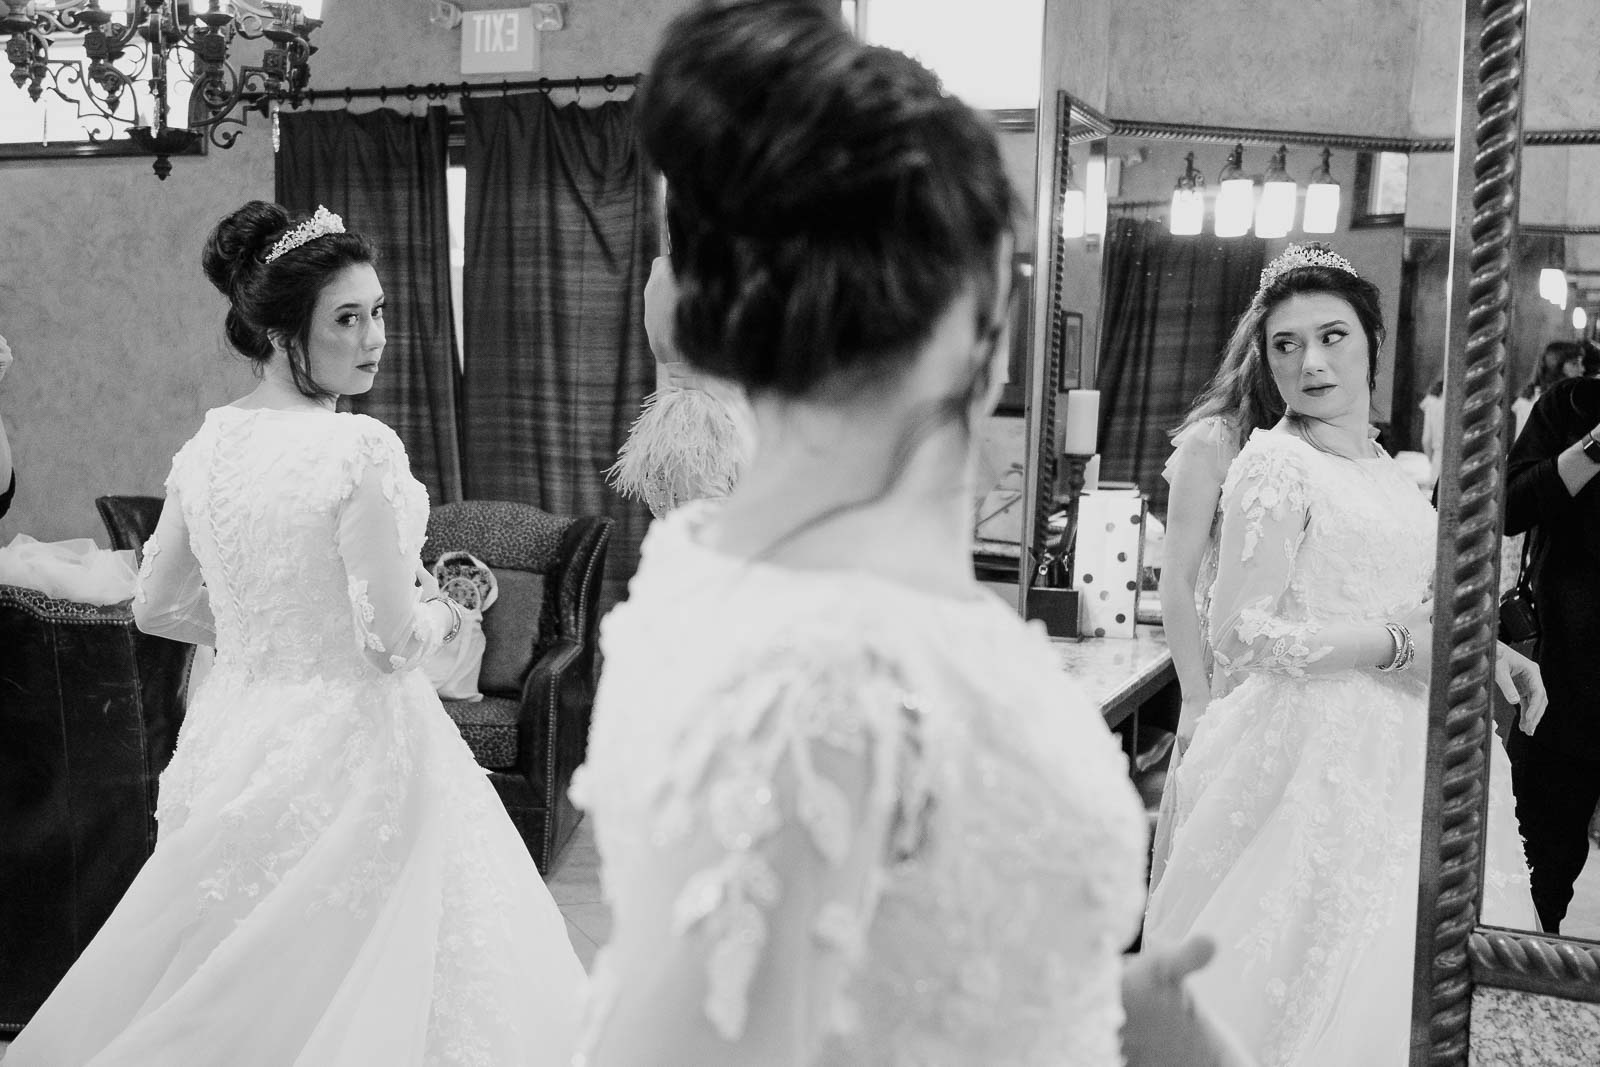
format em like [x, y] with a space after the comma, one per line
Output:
[396, 627]
[777, 823]
[1265, 514]
[170, 595]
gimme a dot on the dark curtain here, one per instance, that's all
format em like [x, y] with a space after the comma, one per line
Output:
[560, 236]
[385, 173]
[1170, 305]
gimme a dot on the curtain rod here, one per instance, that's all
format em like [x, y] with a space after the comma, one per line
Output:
[608, 83]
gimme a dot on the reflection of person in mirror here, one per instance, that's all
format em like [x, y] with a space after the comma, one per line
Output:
[1559, 361]
[850, 810]
[1553, 496]
[1234, 405]
[1299, 802]
[1432, 408]
[335, 881]
[8, 473]
[693, 435]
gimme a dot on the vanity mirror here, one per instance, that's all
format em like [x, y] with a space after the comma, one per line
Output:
[1496, 995]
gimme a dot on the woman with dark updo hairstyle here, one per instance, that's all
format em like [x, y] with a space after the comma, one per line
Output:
[334, 882]
[849, 808]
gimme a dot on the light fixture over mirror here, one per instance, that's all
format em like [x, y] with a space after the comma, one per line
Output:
[159, 70]
[1188, 217]
[1275, 208]
[1322, 199]
[1236, 195]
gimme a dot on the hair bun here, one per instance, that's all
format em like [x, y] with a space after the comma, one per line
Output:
[238, 242]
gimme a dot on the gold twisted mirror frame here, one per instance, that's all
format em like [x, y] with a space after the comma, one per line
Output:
[1454, 955]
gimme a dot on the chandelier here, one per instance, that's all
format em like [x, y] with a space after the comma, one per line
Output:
[160, 69]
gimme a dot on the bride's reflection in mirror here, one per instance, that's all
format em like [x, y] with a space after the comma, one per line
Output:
[1297, 808]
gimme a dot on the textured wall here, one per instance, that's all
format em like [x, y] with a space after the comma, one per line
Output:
[1264, 63]
[1563, 80]
[117, 334]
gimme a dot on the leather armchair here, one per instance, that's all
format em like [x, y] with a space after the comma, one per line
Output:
[130, 520]
[89, 714]
[531, 730]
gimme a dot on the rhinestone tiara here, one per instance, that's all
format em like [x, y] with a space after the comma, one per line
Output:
[1296, 256]
[321, 223]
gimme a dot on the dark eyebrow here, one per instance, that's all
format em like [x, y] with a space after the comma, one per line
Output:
[1335, 322]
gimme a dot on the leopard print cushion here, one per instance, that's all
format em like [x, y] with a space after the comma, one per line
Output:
[489, 727]
[502, 533]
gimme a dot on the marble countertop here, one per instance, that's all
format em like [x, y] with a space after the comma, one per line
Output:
[1120, 673]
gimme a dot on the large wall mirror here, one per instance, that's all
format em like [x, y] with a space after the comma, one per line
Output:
[1456, 241]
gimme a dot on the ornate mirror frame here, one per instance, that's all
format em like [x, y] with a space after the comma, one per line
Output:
[1454, 954]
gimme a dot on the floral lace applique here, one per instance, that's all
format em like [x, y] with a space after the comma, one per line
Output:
[772, 770]
[152, 549]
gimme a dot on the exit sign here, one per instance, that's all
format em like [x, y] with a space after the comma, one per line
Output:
[499, 42]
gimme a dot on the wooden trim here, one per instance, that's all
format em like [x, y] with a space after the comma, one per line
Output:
[1561, 967]
[1467, 563]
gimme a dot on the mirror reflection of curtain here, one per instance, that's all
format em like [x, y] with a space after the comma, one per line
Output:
[385, 173]
[560, 235]
[1169, 305]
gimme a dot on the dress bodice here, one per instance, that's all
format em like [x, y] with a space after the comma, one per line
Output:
[1310, 538]
[979, 841]
[266, 497]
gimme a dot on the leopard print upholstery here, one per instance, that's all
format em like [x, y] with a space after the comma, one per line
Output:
[489, 727]
[502, 533]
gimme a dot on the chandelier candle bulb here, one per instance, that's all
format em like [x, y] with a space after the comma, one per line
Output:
[1083, 422]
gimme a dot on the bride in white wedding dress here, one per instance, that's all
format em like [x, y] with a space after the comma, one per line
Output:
[335, 884]
[1299, 803]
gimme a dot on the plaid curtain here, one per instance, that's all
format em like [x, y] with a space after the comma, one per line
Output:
[1170, 305]
[560, 236]
[385, 173]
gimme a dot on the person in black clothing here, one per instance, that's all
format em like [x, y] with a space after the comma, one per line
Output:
[8, 474]
[1552, 490]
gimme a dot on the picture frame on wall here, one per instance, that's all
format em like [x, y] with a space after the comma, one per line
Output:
[1380, 189]
[1071, 351]
[1020, 331]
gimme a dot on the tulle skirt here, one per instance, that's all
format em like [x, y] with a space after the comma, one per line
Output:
[335, 885]
[1295, 845]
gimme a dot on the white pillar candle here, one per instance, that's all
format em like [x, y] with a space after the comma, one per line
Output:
[1083, 422]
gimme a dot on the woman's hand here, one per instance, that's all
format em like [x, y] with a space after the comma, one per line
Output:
[1188, 718]
[427, 582]
[1419, 622]
[1519, 679]
[1164, 1026]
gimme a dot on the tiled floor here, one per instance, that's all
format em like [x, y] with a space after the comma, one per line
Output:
[575, 885]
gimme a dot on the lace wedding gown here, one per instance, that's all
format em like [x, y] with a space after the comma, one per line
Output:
[335, 883]
[845, 821]
[1299, 803]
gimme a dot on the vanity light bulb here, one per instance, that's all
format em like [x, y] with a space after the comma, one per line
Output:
[1275, 211]
[1553, 285]
[1072, 213]
[1322, 208]
[1095, 205]
[1580, 318]
[1188, 212]
[1235, 204]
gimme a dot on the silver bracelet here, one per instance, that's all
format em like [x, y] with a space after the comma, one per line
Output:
[455, 613]
[1404, 650]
